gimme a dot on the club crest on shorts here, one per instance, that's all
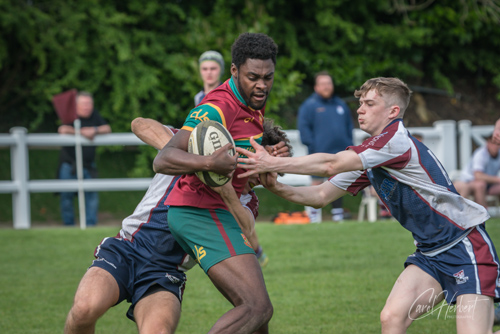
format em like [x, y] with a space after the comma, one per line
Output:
[460, 277]
[172, 279]
[246, 240]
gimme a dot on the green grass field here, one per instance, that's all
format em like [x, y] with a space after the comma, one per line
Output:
[322, 278]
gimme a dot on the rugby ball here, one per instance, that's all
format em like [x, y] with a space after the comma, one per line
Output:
[206, 138]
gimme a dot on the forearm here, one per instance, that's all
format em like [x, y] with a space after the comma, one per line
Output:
[242, 215]
[320, 164]
[151, 132]
[174, 161]
[66, 130]
[254, 241]
[173, 158]
[307, 196]
[103, 129]
[492, 179]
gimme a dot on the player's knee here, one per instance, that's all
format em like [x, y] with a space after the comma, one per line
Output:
[84, 312]
[268, 312]
[387, 317]
[156, 324]
[263, 310]
[390, 318]
[156, 328]
[480, 186]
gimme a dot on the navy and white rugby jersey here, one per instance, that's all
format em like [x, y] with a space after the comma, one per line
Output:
[151, 210]
[414, 186]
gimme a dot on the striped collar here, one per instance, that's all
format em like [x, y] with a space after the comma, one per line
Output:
[232, 84]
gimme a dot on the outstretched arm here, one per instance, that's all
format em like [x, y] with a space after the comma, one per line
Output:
[316, 196]
[151, 132]
[321, 164]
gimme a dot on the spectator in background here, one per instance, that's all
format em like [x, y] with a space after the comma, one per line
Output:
[325, 126]
[92, 124]
[480, 178]
[211, 71]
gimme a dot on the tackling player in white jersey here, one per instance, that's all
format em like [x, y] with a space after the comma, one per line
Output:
[455, 258]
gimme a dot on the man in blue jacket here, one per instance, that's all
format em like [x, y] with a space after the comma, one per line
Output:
[325, 126]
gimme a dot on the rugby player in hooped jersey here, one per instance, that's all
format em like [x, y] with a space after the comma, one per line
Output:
[198, 218]
[455, 258]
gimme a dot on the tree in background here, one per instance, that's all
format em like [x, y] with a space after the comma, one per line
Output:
[139, 57]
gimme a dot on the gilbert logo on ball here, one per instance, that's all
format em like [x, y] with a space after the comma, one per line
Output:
[206, 138]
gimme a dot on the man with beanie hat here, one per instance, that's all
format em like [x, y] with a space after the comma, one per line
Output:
[211, 71]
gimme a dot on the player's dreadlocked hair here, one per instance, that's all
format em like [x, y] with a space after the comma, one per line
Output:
[273, 134]
[253, 46]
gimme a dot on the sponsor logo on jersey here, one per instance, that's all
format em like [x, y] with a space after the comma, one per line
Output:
[248, 119]
[246, 240]
[460, 277]
[375, 139]
[340, 110]
[196, 115]
[200, 253]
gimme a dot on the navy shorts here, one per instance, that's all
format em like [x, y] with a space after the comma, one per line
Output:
[469, 267]
[139, 268]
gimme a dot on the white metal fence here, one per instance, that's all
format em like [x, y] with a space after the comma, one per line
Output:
[452, 147]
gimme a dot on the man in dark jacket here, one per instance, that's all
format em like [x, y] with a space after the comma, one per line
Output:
[325, 126]
[92, 124]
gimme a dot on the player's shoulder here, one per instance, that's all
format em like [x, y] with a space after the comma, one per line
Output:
[221, 97]
[395, 134]
[203, 112]
[480, 152]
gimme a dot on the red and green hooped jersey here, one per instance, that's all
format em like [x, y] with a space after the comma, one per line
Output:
[225, 105]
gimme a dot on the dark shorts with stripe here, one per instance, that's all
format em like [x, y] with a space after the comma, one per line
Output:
[469, 267]
[142, 266]
[208, 235]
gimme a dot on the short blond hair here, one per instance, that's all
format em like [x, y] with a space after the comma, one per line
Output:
[394, 91]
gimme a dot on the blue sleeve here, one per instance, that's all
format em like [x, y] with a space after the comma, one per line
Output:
[305, 123]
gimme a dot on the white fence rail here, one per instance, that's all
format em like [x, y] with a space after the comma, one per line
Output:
[441, 139]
